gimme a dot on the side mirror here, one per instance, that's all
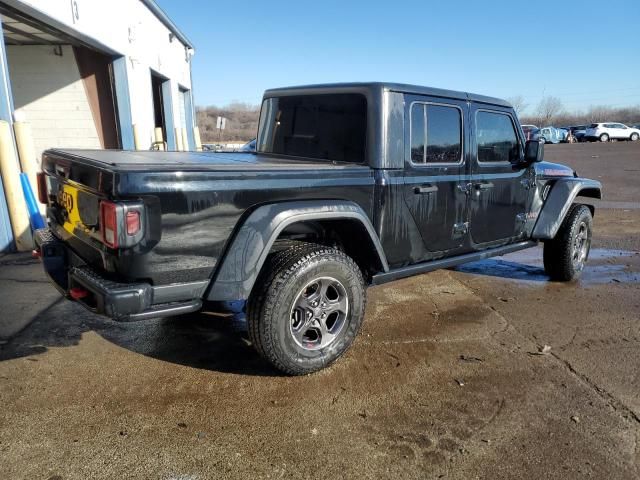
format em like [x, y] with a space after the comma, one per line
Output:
[533, 151]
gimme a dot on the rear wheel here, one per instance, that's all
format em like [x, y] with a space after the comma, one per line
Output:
[565, 256]
[604, 137]
[307, 308]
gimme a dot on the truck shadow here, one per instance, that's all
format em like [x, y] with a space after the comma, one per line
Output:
[197, 340]
[505, 269]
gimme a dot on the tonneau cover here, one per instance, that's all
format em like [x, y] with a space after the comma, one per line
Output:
[127, 160]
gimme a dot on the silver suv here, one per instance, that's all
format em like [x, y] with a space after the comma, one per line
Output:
[611, 131]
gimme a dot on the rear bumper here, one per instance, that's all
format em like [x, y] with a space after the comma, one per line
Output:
[118, 300]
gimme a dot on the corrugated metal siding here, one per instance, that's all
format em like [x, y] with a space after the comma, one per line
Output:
[6, 235]
[6, 108]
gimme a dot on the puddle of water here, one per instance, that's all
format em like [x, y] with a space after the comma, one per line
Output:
[599, 274]
[606, 253]
[527, 265]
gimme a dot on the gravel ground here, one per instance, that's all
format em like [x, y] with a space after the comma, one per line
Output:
[443, 382]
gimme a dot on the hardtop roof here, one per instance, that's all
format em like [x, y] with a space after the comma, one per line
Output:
[384, 86]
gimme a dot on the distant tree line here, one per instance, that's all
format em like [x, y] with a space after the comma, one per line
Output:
[242, 118]
[551, 111]
[242, 122]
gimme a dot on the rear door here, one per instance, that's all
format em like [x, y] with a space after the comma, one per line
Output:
[500, 191]
[435, 166]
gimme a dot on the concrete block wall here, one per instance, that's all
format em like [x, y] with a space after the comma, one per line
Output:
[48, 92]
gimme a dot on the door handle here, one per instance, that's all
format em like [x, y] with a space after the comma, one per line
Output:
[425, 189]
[484, 186]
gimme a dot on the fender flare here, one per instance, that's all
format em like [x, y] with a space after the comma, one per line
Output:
[563, 192]
[239, 269]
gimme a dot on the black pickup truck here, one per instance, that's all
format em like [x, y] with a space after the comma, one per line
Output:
[351, 185]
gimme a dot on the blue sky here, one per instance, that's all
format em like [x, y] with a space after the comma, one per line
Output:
[501, 48]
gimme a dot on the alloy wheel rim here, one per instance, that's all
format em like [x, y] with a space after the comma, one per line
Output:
[319, 313]
[580, 247]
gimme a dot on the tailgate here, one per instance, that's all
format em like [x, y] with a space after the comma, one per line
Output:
[83, 211]
[74, 192]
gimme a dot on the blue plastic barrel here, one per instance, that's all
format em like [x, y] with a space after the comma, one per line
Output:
[35, 219]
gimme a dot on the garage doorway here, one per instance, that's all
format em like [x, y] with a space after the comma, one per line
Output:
[162, 110]
[97, 76]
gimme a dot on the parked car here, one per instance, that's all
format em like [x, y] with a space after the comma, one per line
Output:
[527, 129]
[565, 134]
[333, 200]
[578, 132]
[551, 135]
[611, 131]
[211, 147]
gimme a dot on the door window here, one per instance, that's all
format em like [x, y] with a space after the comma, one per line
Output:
[436, 134]
[418, 133]
[496, 137]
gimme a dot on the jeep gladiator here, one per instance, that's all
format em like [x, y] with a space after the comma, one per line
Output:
[351, 185]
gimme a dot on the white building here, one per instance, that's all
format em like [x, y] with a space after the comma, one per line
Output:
[94, 74]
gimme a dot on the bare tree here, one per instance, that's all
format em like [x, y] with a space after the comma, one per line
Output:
[518, 104]
[595, 113]
[602, 114]
[548, 109]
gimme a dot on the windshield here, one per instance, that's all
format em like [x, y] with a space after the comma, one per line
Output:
[331, 127]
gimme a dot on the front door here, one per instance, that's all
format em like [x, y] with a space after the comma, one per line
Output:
[619, 131]
[434, 170]
[500, 189]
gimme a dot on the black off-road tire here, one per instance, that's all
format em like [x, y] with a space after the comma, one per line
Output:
[269, 310]
[564, 259]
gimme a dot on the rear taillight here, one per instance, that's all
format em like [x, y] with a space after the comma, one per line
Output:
[43, 195]
[109, 223]
[121, 223]
[133, 222]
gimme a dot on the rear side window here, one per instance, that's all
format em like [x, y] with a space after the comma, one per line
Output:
[496, 138]
[331, 127]
[594, 125]
[436, 133]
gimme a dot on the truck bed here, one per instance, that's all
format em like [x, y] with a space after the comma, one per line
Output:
[193, 202]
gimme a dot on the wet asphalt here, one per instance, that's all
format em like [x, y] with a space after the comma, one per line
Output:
[446, 379]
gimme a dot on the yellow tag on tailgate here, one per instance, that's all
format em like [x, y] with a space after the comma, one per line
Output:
[68, 200]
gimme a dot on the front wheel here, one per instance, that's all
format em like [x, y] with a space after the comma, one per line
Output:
[565, 256]
[307, 308]
[634, 137]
